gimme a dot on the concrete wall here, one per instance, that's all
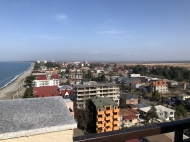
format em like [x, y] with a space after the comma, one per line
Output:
[62, 136]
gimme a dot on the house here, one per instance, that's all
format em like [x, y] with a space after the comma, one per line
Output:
[128, 99]
[182, 97]
[159, 85]
[38, 119]
[128, 117]
[128, 81]
[136, 85]
[172, 83]
[164, 113]
[134, 75]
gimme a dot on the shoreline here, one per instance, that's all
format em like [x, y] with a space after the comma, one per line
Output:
[12, 87]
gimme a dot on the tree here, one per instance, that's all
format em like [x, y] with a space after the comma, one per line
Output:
[152, 114]
[29, 79]
[180, 112]
[156, 96]
[28, 93]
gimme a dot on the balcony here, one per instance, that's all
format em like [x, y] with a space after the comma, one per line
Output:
[100, 119]
[116, 128]
[115, 122]
[100, 112]
[116, 110]
[139, 132]
[116, 116]
[108, 111]
[108, 124]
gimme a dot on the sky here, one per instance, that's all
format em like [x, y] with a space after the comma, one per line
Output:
[95, 30]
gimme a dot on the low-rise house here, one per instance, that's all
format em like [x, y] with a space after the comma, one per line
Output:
[159, 85]
[128, 99]
[172, 83]
[128, 117]
[182, 97]
[136, 85]
[134, 75]
[128, 81]
[36, 119]
[164, 113]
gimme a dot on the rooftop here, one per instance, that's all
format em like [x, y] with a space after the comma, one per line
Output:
[46, 91]
[100, 102]
[128, 96]
[23, 117]
[95, 85]
[159, 108]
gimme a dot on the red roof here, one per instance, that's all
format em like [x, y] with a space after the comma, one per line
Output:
[159, 83]
[55, 76]
[70, 92]
[41, 77]
[129, 117]
[46, 91]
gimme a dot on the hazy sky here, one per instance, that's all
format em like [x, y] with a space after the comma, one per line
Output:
[115, 30]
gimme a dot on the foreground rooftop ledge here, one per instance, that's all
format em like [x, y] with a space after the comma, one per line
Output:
[138, 132]
[37, 131]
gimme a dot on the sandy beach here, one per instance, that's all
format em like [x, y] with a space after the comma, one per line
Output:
[7, 92]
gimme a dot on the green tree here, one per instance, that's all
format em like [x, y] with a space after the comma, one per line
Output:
[156, 96]
[180, 112]
[30, 79]
[152, 114]
[28, 93]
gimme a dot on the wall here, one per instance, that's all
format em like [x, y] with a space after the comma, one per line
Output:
[62, 136]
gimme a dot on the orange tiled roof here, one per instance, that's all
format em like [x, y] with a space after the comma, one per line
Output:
[159, 83]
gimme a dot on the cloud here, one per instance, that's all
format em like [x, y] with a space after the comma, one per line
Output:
[61, 17]
[111, 32]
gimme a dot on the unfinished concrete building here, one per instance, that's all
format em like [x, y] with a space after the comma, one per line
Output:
[81, 93]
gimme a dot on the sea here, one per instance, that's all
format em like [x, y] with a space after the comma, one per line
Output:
[10, 71]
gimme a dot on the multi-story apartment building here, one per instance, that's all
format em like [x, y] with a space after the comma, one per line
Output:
[45, 82]
[83, 92]
[75, 74]
[159, 85]
[103, 115]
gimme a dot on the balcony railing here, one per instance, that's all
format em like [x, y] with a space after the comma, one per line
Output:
[139, 132]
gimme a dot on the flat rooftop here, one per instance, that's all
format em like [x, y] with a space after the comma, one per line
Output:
[95, 85]
[23, 117]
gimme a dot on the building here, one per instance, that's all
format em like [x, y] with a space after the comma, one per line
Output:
[136, 85]
[159, 85]
[46, 91]
[103, 115]
[164, 113]
[69, 104]
[128, 99]
[75, 74]
[182, 97]
[46, 82]
[128, 117]
[36, 119]
[134, 75]
[83, 92]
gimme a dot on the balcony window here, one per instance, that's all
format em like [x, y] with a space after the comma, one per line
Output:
[99, 116]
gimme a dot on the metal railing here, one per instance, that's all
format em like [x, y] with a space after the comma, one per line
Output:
[139, 132]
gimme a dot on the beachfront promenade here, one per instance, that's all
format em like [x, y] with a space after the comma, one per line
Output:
[15, 89]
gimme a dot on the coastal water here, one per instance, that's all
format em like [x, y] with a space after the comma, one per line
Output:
[9, 71]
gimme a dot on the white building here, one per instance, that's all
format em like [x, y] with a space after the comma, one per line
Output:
[159, 85]
[182, 97]
[164, 113]
[45, 82]
[135, 75]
